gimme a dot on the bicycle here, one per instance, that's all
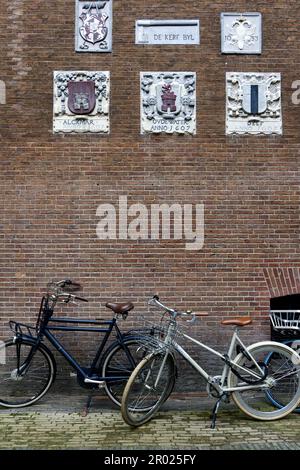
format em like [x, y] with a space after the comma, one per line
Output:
[286, 324]
[30, 367]
[245, 376]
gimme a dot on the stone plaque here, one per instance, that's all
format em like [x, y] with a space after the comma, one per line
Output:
[167, 32]
[168, 102]
[81, 102]
[93, 26]
[253, 103]
[241, 33]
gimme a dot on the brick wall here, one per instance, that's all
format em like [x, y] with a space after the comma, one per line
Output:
[51, 185]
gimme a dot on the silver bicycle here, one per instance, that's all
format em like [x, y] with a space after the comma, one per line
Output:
[246, 378]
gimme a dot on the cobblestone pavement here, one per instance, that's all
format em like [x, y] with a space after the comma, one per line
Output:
[57, 423]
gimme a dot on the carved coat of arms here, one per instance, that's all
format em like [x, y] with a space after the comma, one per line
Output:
[168, 102]
[241, 34]
[81, 102]
[253, 103]
[93, 25]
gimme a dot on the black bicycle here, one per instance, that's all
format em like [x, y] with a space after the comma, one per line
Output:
[29, 368]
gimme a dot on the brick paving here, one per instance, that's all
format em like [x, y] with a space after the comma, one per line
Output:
[182, 424]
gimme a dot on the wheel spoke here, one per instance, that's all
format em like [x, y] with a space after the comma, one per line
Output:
[283, 381]
[120, 363]
[21, 390]
[148, 387]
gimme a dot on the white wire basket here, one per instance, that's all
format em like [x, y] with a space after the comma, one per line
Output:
[285, 319]
[161, 329]
[155, 326]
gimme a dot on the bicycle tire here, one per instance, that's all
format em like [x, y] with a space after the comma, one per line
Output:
[295, 345]
[109, 364]
[253, 402]
[11, 395]
[143, 379]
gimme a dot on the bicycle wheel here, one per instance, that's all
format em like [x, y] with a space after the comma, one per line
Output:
[270, 362]
[148, 388]
[23, 382]
[283, 378]
[120, 360]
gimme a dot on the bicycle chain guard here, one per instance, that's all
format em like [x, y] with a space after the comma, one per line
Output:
[82, 383]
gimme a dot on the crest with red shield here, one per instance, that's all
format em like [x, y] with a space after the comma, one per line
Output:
[81, 97]
[168, 99]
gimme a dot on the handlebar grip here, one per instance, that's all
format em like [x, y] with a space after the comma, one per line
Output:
[155, 297]
[200, 314]
[81, 298]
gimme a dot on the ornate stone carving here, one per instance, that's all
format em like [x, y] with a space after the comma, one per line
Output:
[241, 33]
[93, 26]
[168, 102]
[253, 103]
[81, 102]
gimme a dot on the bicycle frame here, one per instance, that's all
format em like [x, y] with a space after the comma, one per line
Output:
[107, 327]
[84, 325]
[227, 358]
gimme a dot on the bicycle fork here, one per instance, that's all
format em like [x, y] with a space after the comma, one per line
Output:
[22, 368]
[160, 370]
[150, 371]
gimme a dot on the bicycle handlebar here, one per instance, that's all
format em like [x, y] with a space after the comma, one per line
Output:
[155, 301]
[63, 290]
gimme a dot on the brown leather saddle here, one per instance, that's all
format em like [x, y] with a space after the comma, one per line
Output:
[240, 321]
[121, 308]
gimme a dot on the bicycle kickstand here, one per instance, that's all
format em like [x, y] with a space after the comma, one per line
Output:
[86, 409]
[215, 411]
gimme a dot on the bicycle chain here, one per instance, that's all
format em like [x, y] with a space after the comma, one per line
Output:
[262, 365]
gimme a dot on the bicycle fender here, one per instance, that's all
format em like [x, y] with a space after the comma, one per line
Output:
[118, 342]
[32, 342]
[284, 347]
